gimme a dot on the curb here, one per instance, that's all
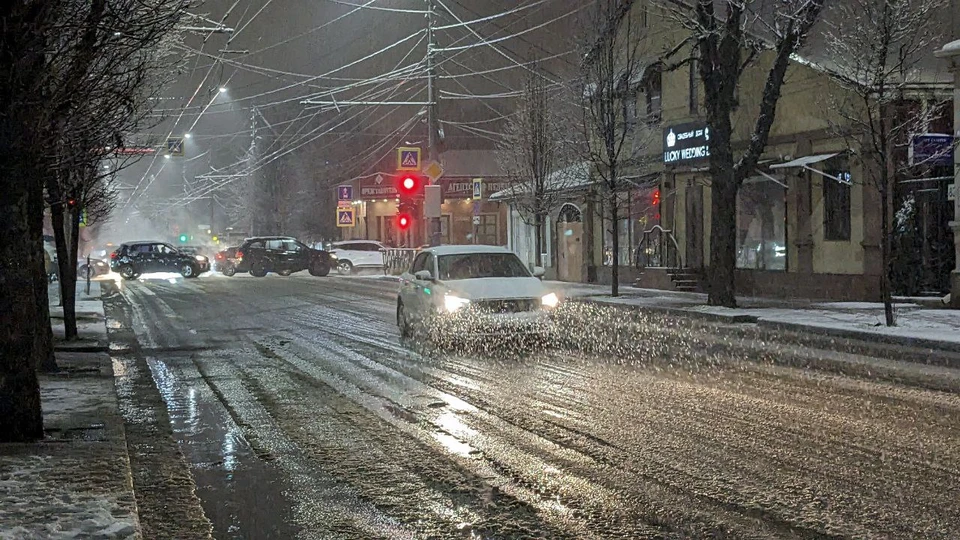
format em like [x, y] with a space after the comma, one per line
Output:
[904, 341]
[678, 312]
[76, 348]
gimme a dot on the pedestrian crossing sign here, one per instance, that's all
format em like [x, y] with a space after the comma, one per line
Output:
[408, 159]
[346, 217]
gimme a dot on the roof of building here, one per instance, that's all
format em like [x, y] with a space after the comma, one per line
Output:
[572, 177]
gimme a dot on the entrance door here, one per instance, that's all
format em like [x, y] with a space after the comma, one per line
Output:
[694, 222]
[570, 244]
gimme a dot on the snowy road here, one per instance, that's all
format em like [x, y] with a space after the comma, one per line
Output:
[303, 415]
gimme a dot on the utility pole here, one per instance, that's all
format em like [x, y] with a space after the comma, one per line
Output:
[251, 161]
[432, 154]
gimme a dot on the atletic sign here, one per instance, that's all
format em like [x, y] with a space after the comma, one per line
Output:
[685, 143]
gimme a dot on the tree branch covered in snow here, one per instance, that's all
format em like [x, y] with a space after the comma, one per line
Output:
[614, 130]
[532, 151]
[880, 106]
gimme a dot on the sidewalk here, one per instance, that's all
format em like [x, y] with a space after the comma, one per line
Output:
[76, 483]
[90, 320]
[917, 326]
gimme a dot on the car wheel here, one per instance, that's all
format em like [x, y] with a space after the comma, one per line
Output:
[258, 270]
[188, 270]
[229, 270]
[406, 330]
[345, 267]
[319, 268]
[127, 272]
[284, 273]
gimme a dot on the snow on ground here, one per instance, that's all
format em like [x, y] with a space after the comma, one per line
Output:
[932, 324]
[912, 320]
[49, 496]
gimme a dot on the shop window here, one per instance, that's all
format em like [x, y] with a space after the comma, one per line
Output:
[836, 206]
[761, 225]
[488, 229]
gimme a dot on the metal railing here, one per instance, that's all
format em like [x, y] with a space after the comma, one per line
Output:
[658, 249]
[397, 260]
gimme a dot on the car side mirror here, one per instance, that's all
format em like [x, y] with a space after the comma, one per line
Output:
[423, 275]
[538, 272]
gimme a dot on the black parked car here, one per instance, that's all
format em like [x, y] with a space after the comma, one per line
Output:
[281, 254]
[134, 258]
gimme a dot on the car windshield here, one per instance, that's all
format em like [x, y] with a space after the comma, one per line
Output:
[480, 265]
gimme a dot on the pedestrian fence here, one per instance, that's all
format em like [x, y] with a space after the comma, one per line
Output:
[397, 260]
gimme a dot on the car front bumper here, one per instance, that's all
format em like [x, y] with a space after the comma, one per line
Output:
[479, 324]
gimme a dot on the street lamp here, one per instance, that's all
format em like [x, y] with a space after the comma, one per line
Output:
[223, 89]
[187, 135]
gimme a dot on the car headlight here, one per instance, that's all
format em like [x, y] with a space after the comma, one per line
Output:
[454, 303]
[200, 258]
[333, 256]
[550, 300]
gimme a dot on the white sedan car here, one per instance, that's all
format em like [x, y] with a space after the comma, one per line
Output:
[479, 289]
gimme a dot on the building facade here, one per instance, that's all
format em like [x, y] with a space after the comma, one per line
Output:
[808, 218]
[464, 219]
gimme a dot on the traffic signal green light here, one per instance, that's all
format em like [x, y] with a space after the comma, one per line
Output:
[183, 239]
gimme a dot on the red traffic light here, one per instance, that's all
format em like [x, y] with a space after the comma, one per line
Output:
[404, 221]
[409, 184]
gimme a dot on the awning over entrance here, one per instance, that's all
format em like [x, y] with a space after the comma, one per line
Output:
[805, 162]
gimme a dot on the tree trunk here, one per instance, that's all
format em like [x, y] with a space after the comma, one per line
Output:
[43, 336]
[615, 264]
[60, 217]
[723, 239]
[885, 263]
[538, 234]
[20, 415]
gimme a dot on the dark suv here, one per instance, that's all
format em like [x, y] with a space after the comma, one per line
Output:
[134, 258]
[281, 254]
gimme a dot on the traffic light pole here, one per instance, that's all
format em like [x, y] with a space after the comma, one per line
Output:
[434, 222]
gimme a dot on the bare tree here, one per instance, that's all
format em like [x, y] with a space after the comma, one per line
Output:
[878, 68]
[531, 151]
[727, 36]
[614, 132]
[53, 54]
[113, 57]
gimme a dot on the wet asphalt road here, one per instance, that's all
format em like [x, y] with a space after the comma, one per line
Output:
[302, 415]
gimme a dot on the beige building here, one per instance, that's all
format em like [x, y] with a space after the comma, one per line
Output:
[807, 218]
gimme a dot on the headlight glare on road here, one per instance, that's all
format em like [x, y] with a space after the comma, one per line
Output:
[550, 300]
[454, 303]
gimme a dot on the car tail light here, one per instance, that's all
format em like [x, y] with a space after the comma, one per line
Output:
[219, 256]
[239, 255]
[113, 255]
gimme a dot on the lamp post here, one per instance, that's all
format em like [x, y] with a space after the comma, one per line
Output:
[951, 52]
